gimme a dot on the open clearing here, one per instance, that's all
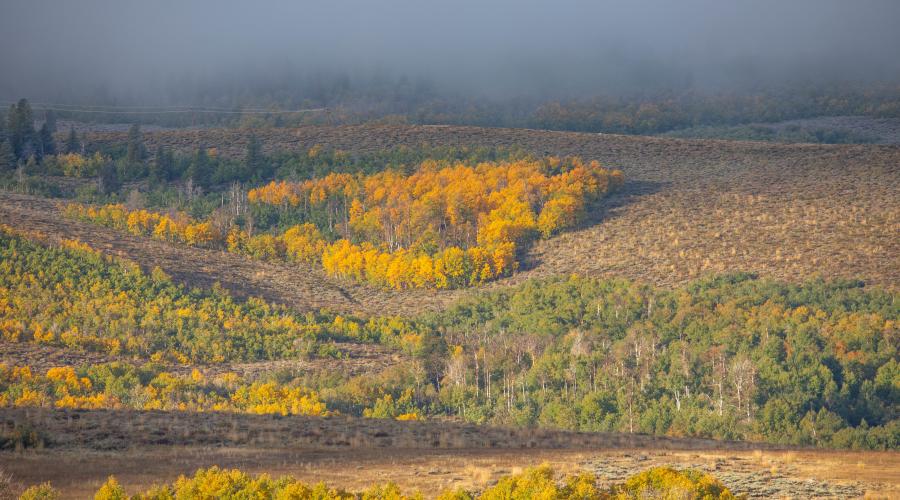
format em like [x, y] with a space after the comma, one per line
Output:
[145, 448]
[759, 474]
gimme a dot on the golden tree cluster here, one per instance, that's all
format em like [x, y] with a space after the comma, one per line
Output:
[445, 225]
[179, 228]
[75, 165]
[71, 295]
[116, 386]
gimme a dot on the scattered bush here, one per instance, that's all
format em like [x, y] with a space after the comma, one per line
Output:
[538, 482]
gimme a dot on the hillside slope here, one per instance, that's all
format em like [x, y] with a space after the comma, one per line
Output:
[689, 207]
[303, 288]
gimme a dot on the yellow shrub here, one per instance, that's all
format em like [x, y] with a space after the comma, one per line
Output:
[668, 483]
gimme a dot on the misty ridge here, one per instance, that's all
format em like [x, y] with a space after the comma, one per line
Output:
[625, 67]
[175, 52]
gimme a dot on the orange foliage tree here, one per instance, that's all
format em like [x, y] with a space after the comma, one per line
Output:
[445, 225]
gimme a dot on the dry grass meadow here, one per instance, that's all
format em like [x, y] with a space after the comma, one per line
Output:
[146, 448]
[759, 474]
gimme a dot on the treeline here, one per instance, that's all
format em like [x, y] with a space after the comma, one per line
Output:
[537, 482]
[201, 182]
[732, 357]
[177, 227]
[198, 181]
[153, 386]
[73, 296]
[129, 163]
[793, 133]
[19, 140]
[120, 385]
[635, 113]
[655, 114]
[443, 226]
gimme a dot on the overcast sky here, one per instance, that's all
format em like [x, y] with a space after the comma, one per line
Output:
[141, 50]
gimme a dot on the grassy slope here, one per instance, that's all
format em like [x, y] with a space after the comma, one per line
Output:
[690, 207]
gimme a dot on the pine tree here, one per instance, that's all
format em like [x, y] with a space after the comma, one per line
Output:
[72, 143]
[7, 157]
[32, 166]
[160, 170]
[168, 164]
[135, 153]
[254, 159]
[10, 120]
[108, 180]
[20, 125]
[48, 147]
[198, 170]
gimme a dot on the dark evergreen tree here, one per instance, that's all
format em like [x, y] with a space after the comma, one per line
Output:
[160, 169]
[254, 160]
[7, 157]
[48, 147]
[198, 170]
[72, 143]
[108, 180]
[32, 166]
[168, 164]
[135, 152]
[10, 122]
[20, 125]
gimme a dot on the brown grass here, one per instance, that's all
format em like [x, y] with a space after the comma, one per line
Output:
[430, 471]
[689, 208]
[356, 359]
[118, 429]
[145, 448]
[670, 237]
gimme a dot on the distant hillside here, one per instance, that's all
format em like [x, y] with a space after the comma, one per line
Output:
[689, 207]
